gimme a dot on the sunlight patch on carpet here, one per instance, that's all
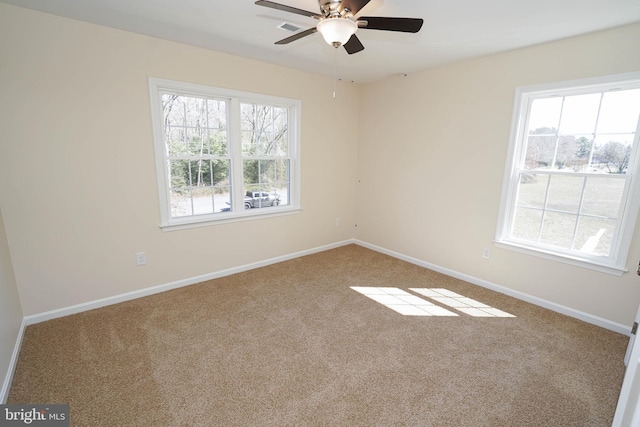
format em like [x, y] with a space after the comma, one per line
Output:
[402, 301]
[411, 305]
[461, 303]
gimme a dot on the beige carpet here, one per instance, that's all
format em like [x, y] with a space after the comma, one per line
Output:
[292, 345]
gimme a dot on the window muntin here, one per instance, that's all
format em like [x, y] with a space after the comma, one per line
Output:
[571, 180]
[223, 155]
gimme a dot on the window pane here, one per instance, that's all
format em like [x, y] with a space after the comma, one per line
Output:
[620, 111]
[603, 196]
[558, 229]
[269, 176]
[199, 170]
[220, 175]
[175, 141]
[540, 152]
[221, 185]
[217, 114]
[248, 145]
[579, 114]
[195, 112]
[545, 115]
[583, 155]
[532, 190]
[173, 110]
[195, 142]
[527, 223]
[283, 180]
[251, 172]
[208, 172]
[214, 128]
[569, 155]
[613, 153]
[202, 200]
[622, 138]
[264, 127]
[282, 146]
[194, 126]
[564, 193]
[283, 189]
[179, 173]
[180, 202]
[266, 172]
[218, 143]
[594, 235]
[222, 200]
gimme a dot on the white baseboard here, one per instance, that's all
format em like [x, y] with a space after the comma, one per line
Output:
[8, 378]
[568, 311]
[66, 311]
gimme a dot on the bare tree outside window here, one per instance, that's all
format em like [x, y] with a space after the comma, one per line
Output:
[615, 156]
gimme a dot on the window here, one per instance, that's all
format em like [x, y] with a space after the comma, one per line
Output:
[223, 155]
[570, 189]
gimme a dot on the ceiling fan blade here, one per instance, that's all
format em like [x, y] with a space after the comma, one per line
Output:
[353, 5]
[404, 25]
[297, 36]
[353, 45]
[285, 8]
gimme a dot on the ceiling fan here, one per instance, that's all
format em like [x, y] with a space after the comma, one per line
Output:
[338, 24]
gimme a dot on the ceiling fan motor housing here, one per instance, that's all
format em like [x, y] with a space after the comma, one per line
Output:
[331, 8]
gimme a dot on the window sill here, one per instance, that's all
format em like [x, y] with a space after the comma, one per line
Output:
[566, 259]
[208, 221]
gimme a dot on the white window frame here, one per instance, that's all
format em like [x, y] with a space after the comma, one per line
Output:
[234, 98]
[616, 262]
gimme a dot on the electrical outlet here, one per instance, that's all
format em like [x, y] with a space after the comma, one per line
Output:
[486, 253]
[338, 222]
[141, 258]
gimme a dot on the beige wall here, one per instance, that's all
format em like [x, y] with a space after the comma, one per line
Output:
[77, 171]
[433, 145]
[10, 312]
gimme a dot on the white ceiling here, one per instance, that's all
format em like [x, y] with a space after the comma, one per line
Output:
[453, 30]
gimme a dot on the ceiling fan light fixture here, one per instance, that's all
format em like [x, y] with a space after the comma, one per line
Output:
[337, 31]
